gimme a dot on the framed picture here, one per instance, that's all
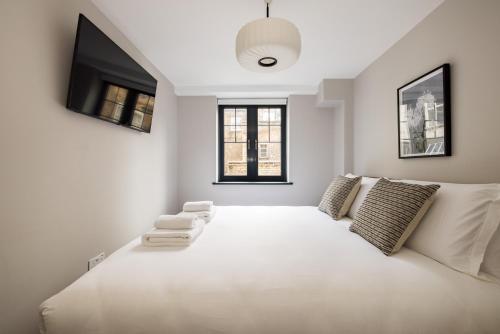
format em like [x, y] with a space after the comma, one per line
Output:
[424, 124]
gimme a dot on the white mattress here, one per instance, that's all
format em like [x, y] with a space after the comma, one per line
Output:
[272, 270]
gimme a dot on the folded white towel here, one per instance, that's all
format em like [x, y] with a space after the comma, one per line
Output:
[197, 206]
[205, 215]
[161, 242]
[164, 237]
[176, 221]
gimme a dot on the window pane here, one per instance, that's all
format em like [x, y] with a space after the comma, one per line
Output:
[440, 131]
[263, 135]
[403, 110]
[229, 118]
[107, 109]
[263, 116]
[111, 93]
[269, 159]
[275, 116]
[122, 95]
[117, 113]
[430, 131]
[229, 134]
[151, 104]
[235, 159]
[241, 117]
[403, 131]
[146, 123]
[241, 133]
[275, 133]
[142, 101]
[137, 119]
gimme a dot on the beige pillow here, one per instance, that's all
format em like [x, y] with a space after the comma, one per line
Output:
[390, 213]
[367, 183]
[339, 196]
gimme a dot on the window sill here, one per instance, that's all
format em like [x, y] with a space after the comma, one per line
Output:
[254, 183]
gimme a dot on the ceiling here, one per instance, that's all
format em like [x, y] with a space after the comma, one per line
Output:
[192, 42]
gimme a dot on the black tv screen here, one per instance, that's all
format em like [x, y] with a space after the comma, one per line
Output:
[106, 83]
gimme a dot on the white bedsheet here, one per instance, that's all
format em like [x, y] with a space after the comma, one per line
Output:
[272, 270]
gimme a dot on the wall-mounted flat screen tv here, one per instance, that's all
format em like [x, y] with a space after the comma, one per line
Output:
[106, 83]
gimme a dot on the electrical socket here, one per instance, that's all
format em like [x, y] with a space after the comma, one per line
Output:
[96, 260]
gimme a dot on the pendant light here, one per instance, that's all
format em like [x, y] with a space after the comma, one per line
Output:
[268, 45]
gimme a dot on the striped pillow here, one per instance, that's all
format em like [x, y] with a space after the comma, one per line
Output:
[390, 213]
[339, 196]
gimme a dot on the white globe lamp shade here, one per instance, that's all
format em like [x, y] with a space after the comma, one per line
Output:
[268, 45]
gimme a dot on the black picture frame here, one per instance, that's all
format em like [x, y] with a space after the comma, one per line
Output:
[423, 131]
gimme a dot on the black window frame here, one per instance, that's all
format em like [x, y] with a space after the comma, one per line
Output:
[252, 144]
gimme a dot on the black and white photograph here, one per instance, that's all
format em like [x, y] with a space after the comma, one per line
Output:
[424, 115]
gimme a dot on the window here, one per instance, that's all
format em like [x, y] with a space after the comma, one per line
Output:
[127, 106]
[432, 130]
[114, 102]
[143, 111]
[252, 143]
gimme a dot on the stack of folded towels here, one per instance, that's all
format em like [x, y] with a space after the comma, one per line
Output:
[181, 229]
[203, 209]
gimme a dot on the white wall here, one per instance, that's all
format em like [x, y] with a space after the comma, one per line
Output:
[311, 156]
[71, 186]
[466, 34]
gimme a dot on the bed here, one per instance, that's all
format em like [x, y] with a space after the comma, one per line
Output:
[272, 270]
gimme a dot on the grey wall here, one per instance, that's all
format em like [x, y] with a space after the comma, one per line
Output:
[311, 155]
[466, 34]
[338, 94]
[71, 186]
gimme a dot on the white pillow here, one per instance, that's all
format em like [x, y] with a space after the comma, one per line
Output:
[459, 225]
[367, 183]
[491, 261]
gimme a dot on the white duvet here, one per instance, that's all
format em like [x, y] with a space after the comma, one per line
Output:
[272, 270]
